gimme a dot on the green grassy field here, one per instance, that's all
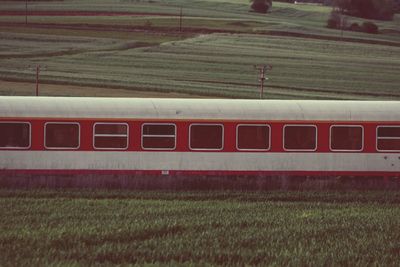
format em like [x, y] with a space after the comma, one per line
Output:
[78, 228]
[213, 56]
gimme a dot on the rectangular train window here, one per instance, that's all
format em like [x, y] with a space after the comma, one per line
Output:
[300, 137]
[206, 136]
[253, 137]
[158, 136]
[110, 136]
[15, 135]
[346, 138]
[61, 135]
[388, 138]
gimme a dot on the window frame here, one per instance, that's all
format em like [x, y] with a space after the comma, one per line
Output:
[30, 135]
[207, 124]
[111, 135]
[253, 149]
[377, 137]
[62, 148]
[300, 150]
[152, 135]
[343, 126]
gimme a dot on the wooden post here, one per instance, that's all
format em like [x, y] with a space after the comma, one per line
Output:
[262, 69]
[180, 21]
[26, 12]
[262, 79]
[37, 79]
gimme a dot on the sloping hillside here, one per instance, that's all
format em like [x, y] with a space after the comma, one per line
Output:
[209, 51]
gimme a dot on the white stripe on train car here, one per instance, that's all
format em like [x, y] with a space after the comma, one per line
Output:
[199, 161]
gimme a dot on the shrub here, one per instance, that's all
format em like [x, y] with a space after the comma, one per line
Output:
[369, 9]
[369, 27]
[261, 6]
[355, 27]
[331, 23]
[334, 20]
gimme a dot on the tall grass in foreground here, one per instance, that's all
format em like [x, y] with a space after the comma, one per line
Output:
[208, 228]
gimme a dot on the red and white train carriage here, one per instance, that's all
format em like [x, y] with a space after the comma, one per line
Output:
[48, 135]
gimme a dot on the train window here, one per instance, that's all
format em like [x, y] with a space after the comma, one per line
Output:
[346, 138]
[158, 136]
[61, 135]
[388, 138]
[206, 137]
[110, 136]
[300, 137]
[253, 137]
[15, 135]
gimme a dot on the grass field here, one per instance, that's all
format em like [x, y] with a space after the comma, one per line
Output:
[77, 228]
[137, 46]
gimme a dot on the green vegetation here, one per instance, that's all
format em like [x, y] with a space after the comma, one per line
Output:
[379, 9]
[261, 6]
[272, 228]
[222, 65]
[139, 47]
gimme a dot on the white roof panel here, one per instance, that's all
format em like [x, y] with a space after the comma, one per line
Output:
[208, 109]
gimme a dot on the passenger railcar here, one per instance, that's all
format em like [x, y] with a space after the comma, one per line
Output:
[172, 137]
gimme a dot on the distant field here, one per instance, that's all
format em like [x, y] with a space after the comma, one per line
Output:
[28, 89]
[218, 65]
[137, 45]
[77, 228]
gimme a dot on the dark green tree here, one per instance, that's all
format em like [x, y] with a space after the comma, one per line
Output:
[370, 9]
[261, 6]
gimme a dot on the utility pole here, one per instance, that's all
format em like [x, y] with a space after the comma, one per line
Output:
[262, 68]
[343, 24]
[26, 12]
[37, 79]
[180, 21]
[37, 68]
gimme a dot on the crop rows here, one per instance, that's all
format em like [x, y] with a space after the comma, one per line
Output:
[110, 51]
[228, 228]
[222, 65]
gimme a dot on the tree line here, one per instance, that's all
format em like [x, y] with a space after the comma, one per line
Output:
[369, 9]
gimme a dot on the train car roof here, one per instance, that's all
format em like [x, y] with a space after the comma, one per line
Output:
[197, 109]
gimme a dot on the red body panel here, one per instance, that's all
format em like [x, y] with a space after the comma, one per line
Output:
[182, 134]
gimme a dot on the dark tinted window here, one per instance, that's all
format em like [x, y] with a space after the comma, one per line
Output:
[62, 135]
[205, 136]
[253, 137]
[388, 144]
[388, 132]
[346, 137]
[111, 128]
[300, 137]
[14, 135]
[158, 129]
[111, 136]
[158, 136]
[388, 138]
